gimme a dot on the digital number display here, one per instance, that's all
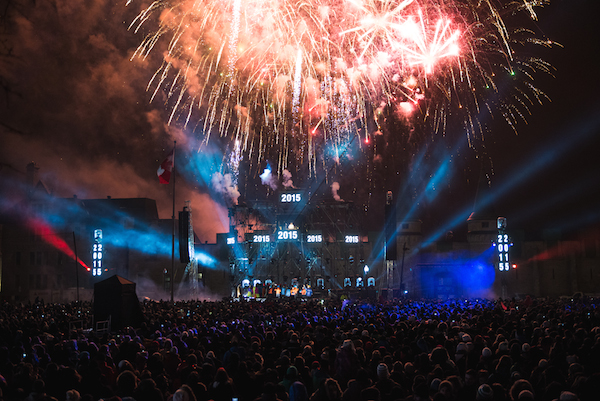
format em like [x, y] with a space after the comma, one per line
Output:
[351, 239]
[313, 238]
[261, 238]
[503, 259]
[287, 235]
[290, 198]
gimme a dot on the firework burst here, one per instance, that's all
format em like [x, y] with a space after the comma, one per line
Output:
[285, 77]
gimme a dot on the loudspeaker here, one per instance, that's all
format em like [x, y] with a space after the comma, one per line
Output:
[390, 232]
[184, 236]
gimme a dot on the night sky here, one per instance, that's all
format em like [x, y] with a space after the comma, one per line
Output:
[75, 102]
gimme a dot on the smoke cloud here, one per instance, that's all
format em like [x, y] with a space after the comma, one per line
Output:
[223, 184]
[287, 179]
[335, 187]
[267, 178]
[76, 104]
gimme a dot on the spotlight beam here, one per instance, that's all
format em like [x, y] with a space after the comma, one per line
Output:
[585, 127]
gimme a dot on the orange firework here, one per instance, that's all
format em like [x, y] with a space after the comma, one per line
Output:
[268, 74]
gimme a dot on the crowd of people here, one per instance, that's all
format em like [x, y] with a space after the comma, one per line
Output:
[307, 350]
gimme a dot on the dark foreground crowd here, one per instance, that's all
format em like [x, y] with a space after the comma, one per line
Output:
[294, 350]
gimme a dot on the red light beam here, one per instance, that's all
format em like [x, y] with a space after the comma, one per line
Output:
[48, 235]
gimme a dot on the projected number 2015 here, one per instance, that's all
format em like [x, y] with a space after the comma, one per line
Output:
[291, 198]
[503, 245]
[314, 238]
[351, 239]
[287, 235]
[261, 238]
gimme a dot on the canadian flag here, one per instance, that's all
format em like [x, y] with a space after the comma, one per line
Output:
[165, 168]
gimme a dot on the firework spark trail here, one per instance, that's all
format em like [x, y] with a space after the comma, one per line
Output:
[235, 32]
[297, 83]
[322, 63]
[427, 52]
[234, 161]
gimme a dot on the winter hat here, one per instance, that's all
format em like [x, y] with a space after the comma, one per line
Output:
[485, 392]
[382, 371]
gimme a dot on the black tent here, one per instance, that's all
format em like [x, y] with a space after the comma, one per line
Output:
[115, 298]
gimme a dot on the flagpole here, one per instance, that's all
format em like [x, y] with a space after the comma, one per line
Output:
[173, 226]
